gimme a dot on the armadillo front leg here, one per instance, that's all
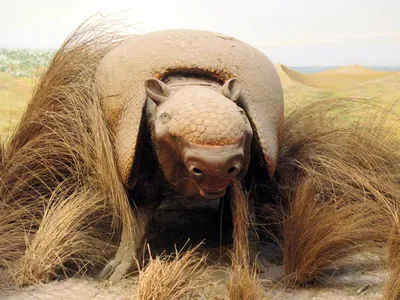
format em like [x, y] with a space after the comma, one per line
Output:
[130, 247]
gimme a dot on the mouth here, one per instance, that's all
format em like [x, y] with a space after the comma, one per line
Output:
[211, 194]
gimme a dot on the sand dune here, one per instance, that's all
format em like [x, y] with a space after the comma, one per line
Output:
[356, 70]
[289, 76]
[331, 79]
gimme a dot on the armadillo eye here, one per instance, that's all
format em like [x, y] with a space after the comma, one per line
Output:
[165, 118]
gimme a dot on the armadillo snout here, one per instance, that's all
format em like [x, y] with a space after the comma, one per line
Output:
[213, 174]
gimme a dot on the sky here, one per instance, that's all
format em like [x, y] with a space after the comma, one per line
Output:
[291, 32]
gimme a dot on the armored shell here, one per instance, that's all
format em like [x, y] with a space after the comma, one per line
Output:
[122, 72]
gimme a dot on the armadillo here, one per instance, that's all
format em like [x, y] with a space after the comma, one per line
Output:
[189, 111]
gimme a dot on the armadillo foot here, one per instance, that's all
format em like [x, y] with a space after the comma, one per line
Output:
[266, 269]
[118, 267]
[115, 270]
[261, 263]
[257, 259]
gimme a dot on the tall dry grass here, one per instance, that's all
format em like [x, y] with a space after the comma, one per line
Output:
[338, 178]
[60, 194]
[180, 275]
[243, 283]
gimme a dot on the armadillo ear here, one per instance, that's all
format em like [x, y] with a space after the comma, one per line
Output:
[231, 89]
[157, 90]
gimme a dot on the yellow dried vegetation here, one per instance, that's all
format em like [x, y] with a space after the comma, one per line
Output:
[60, 197]
[338, 179]
[243, 283]
[180, 275]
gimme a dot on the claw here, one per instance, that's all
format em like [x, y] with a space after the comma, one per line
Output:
[257, 258]
[108, 269]
[268, 270]
[262, 264]
[120, 271]
[119, 266]
[116, 269]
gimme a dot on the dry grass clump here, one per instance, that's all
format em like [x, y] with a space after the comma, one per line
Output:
[338, 175]
[317, 235]
[65, 239]
[242, 283]
[175, 276]
[241, 223]
[60, 191]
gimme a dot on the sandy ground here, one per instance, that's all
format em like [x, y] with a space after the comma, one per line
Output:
[347, 286]
[176, 222]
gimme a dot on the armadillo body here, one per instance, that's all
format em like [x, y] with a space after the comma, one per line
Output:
[123, 71]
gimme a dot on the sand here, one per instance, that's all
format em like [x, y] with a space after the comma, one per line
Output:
[343, 287]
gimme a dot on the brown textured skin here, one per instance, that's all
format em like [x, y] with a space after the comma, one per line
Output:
[122, 72]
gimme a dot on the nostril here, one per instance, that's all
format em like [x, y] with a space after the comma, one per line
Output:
[197, 171]
[234, 171]
[231, 170]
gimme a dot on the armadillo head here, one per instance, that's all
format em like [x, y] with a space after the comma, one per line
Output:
[202, 136]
